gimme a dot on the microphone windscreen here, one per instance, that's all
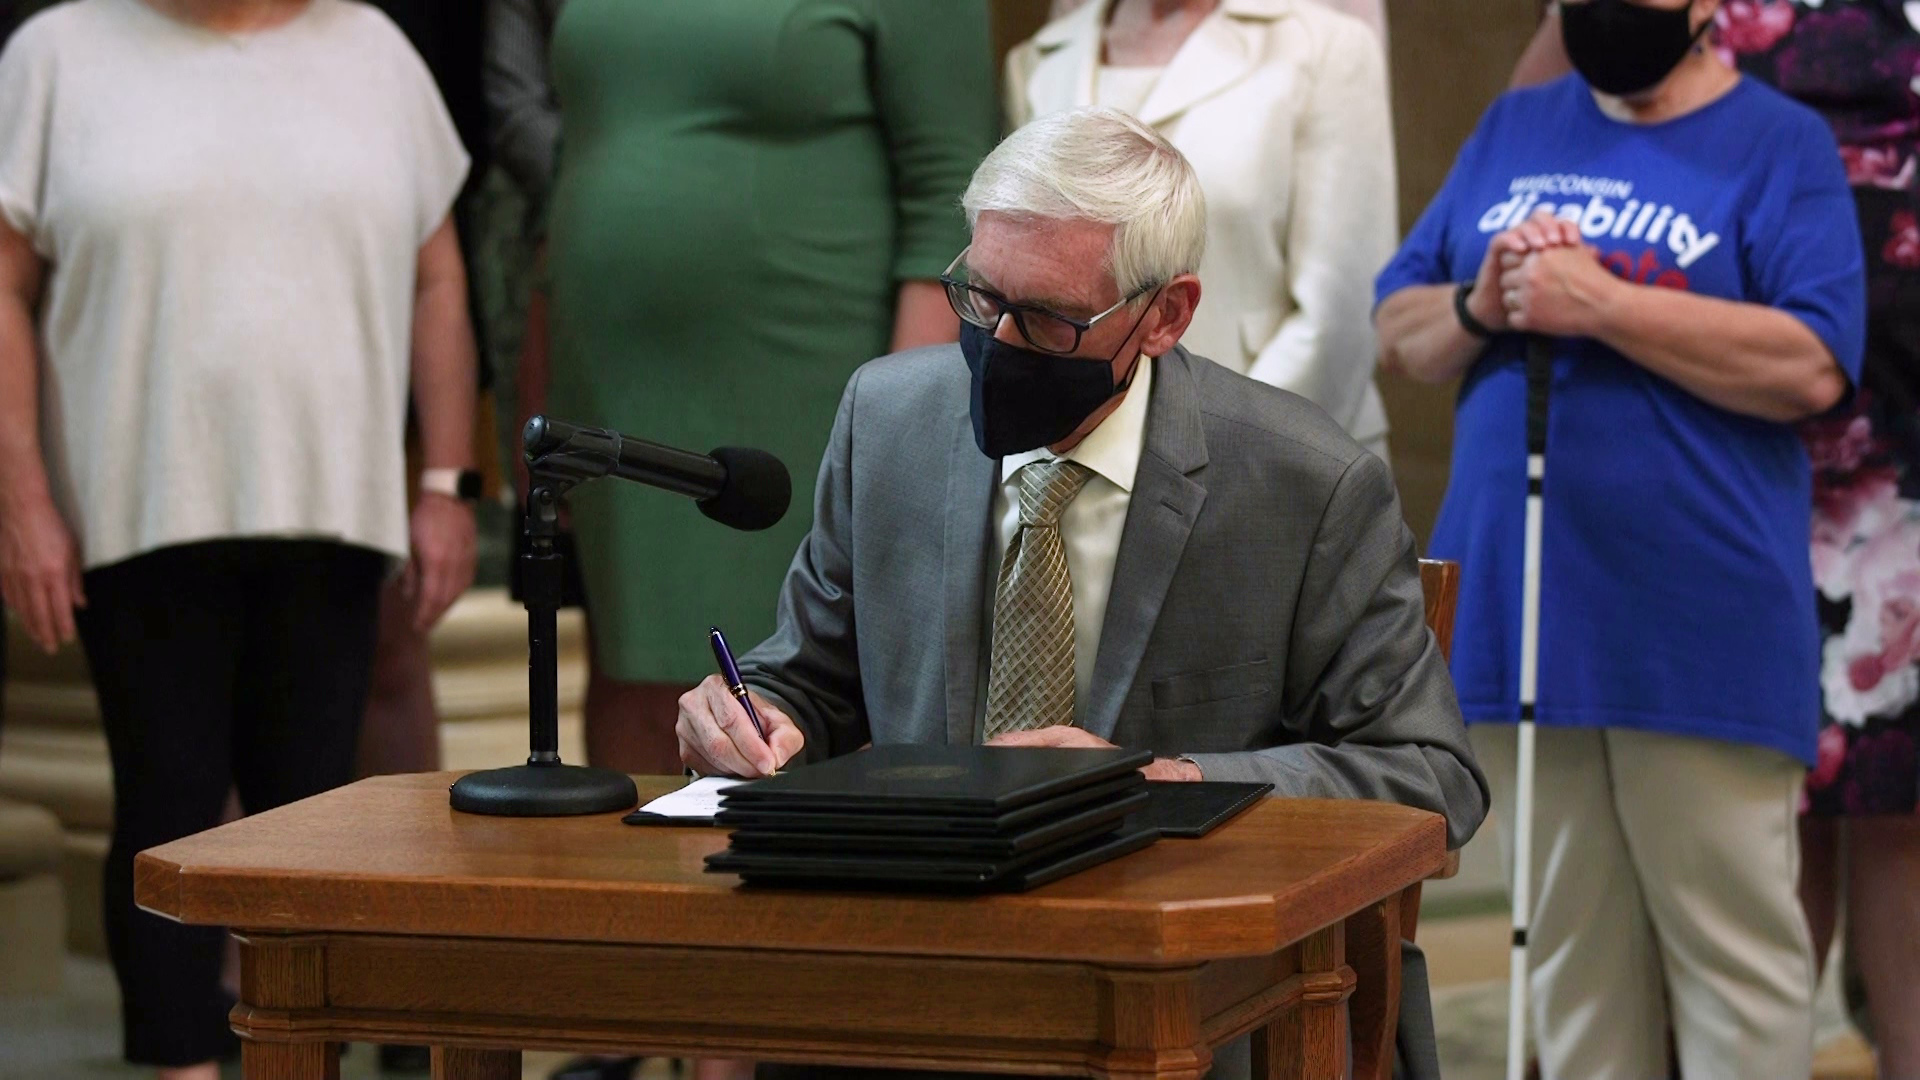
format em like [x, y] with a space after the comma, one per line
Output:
[756, 492]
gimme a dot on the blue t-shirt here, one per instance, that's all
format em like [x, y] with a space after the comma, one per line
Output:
[1676, 590]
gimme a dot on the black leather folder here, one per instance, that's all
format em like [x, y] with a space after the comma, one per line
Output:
[949, 818]
[1192, 810]
[1102, 817]
[938, 780]
[881, 822]
[933, 872]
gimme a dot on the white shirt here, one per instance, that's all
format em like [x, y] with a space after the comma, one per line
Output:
[1371, 12]
[232, 225]
[1091, 525]
[1125, 88]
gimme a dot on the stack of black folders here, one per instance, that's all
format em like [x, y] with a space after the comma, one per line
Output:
[943, 818]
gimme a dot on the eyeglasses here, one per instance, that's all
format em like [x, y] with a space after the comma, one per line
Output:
[1047, 331]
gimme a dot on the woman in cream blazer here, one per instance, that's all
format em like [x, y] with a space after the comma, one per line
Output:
[1281, 105]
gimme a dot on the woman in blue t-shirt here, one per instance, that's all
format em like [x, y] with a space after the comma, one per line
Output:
[1687, 240]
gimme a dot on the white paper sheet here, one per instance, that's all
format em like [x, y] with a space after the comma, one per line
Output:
[698, 801]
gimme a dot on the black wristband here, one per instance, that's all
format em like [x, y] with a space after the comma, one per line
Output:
[1467, 322]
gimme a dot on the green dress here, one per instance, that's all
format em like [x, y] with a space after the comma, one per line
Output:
[743, 185]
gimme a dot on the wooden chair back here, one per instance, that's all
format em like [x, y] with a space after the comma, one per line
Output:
[1374, 936]
[1440, 581]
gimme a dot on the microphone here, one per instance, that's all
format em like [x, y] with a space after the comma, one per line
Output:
[737, 487]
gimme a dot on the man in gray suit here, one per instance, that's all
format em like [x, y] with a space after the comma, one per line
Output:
[1069, 531]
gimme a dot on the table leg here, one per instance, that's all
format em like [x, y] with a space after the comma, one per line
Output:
[280, 972]
[457, 1063]
[1149, 1027]
[1312, 1041]
[289, 1061]
[1373, 952]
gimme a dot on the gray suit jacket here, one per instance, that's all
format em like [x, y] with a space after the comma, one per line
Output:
[1265, 616]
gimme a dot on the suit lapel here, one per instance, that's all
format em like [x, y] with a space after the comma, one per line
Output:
[1220, 52]
[1167, 497]
[970, 481]
[1069, 54]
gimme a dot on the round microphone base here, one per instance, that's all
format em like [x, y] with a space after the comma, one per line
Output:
[544, 790]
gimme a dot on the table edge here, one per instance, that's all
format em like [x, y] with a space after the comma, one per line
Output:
[1166, 933]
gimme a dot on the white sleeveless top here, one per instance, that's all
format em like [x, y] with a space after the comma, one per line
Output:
[232, 226]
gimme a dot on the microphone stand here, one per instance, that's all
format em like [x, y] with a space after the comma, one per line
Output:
[544, 787]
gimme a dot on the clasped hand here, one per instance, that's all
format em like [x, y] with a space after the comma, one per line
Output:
[1542, 277]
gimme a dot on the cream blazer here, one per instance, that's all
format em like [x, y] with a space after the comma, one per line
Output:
[1281, 106]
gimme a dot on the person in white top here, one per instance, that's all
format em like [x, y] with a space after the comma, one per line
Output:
[1282, 107]
[1371, 12]
[225, 261]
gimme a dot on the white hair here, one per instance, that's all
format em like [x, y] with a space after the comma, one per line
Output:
[1105, 166]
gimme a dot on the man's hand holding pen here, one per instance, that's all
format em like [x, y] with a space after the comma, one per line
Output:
[717, 737]
[727, 730]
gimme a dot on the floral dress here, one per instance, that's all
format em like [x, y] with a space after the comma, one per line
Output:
[1858, 63]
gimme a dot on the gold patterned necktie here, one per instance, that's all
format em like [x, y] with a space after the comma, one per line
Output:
[1030, 678]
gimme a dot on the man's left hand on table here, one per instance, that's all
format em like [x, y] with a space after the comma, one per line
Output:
[1074, 738]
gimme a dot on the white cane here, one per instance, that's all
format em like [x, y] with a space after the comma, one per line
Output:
[1539, 381]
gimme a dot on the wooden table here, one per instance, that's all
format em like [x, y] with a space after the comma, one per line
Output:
[375, 913]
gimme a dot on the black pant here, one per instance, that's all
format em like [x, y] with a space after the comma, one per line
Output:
[233, 663]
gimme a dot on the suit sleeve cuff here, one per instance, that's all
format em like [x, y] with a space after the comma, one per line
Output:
[815, 749]
[1233, 767]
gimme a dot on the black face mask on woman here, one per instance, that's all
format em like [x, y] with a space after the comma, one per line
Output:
[1622, 48]
[1023, 398]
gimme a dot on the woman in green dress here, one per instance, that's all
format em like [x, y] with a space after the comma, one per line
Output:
[753, 198]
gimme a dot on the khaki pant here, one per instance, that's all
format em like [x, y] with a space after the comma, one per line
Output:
[1665, 873]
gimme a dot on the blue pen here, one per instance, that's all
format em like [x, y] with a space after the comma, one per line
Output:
[731, 673]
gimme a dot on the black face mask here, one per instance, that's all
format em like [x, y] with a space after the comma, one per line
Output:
[1023, 399]
[1622, 48]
